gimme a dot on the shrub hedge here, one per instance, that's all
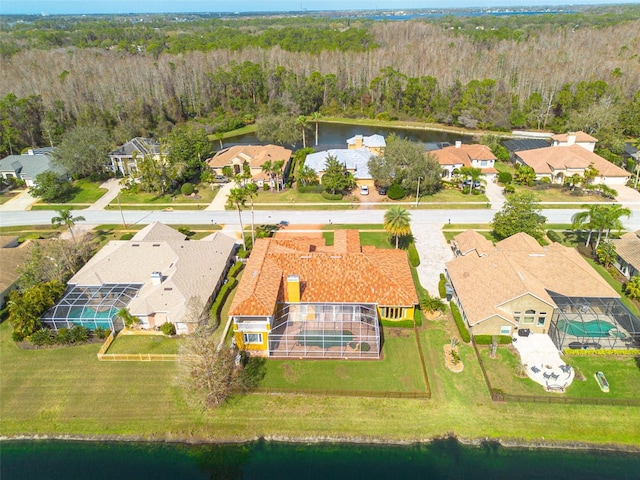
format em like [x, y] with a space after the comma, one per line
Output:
[462, 328]
[168, 328]
[395, 192]
[554, 236]
[486, 339]
[582, 353]
[331, 196]
[505, 178]
[186, 189]
[317, 188]
[442, 290]
[414, 258]
[223, 293]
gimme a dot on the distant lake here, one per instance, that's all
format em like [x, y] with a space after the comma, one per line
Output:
[335, 135]
[445, 459]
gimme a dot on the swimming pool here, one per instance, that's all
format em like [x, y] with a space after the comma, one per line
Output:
[593, 328]
[91, 318]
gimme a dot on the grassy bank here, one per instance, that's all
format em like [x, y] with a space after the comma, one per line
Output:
[68, 392]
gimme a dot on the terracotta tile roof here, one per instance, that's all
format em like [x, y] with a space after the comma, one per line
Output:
[580, 137]
[546, 160]
[344, 273]
[470, 240]
[484, 283]
[628, 248]
[463, 154]
[254, 155]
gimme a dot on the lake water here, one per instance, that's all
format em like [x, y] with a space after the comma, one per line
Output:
[335, 135]
[262, 460]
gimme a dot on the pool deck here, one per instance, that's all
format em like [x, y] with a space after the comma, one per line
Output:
[542, 362]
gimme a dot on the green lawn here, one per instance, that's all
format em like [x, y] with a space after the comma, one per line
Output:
[375, 239]
[6, 196]
[204, 194]
[145, 344]
[292, 196]
[451, 196]
[86, 191]
[353, 226]
[620, 371]
[69, 392]
[556, 195]
[397, 371]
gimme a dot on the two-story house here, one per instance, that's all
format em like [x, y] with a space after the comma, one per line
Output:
[461, 155]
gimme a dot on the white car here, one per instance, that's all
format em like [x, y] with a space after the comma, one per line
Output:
[364, 190]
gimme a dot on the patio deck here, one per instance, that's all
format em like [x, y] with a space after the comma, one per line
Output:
[542, 362]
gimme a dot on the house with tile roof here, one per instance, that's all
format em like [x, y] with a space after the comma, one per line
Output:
[519, 284]
[124, 159]
[628, 254]
[571, 154]
[355, 157]
[580, 138]
[29, 165]
[299, 297]
[159, 276]
[252, 157]
[461, 155]
[376, 144]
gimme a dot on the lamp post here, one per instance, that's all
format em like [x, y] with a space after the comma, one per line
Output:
[418, 191]
[121, 213]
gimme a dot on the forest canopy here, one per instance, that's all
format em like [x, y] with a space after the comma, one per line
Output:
[143, 75]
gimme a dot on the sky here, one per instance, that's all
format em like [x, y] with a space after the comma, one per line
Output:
[54, 7]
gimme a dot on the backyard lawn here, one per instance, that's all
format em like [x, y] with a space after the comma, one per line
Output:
[398, 370]
[621, 371]
[157, 344]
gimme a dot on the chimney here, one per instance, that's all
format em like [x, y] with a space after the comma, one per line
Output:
[358, 141]
[571, 138]
[30, 151]
[293, 288]
[156, 278]
[458, 143]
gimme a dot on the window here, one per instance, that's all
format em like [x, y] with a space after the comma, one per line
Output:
[529, 315]
[542, 318]
[392, 312]
[505, 330]
[252, 338]
[484, 163]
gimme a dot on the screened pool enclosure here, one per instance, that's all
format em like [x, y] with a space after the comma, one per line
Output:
[593, 323]
[328, 330]
[91, 306]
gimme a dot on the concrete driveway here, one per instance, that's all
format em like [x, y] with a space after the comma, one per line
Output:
[113, 189]
[220, 200]
[434, 252]
[20, 202]
[493, 191]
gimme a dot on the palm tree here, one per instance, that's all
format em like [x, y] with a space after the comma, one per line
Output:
[397, 222]
[277, 169]
[66, 217]
[473, 174]
[315, 117]
[252, 192]
[267, 167]
[632, 288]
[612, 216]
[590, 219]
[238, 198]
[303, 121]
[307, 175]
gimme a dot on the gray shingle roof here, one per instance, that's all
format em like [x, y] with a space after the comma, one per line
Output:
[354, 159]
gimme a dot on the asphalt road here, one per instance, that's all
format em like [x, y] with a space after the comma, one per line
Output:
[301, 217]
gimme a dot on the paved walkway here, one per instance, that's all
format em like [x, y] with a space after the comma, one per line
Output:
[22, 201]
[434, 253]
[113, 189]
[543, 364]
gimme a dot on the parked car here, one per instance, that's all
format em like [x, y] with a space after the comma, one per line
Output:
[382, 190]
[221, 179]
[364, 190]
[467, 183]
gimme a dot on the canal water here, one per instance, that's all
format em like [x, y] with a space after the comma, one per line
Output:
[445, 459]
[335, 135]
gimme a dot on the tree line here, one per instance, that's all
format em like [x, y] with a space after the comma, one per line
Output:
[428, 72]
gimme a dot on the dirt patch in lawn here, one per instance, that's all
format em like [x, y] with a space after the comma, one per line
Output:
[398, 332]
